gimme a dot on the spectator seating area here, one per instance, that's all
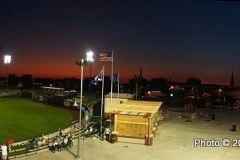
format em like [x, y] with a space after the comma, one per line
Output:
[56, 142]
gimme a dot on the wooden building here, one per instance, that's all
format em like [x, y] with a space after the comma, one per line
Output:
[134, 119]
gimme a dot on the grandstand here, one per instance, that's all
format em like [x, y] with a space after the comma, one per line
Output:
[9, 93]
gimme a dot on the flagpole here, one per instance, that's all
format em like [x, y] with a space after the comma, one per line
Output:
[118, 84]
[101, 126]
[112, 79]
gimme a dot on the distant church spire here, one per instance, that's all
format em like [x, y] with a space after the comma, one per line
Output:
[140, 72]
[232, 80]
[139, 84]
[140, 77]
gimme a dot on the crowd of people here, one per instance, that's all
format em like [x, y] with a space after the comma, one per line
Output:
[62, 141]
[94, 129]
[90, 131]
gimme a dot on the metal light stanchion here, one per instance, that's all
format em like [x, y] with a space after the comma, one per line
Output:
[101, 122]
[81, 62]
[80, 107]
[7, 61]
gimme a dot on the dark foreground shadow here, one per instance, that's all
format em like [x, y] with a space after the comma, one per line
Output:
[73, 154]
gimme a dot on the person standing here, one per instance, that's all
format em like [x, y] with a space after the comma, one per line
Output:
[10, 142]
[107, 132]
[4, 151]
[91, 131]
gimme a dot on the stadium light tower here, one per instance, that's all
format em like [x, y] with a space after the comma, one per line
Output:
[90, 60]
[81, 62]
[7, 60]
[89, 57]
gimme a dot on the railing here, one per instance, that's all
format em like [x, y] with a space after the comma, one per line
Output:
[24, 150]
[30, 147]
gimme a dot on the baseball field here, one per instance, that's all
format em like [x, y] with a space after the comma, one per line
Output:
[22, 119]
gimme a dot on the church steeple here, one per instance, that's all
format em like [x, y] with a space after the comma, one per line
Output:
[232, 80]
[140, 72]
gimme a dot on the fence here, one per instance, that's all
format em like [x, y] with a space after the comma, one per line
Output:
[34, 145]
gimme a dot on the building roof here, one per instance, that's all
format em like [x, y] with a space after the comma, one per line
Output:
[142, 108]
[121, 95]
[52, 88]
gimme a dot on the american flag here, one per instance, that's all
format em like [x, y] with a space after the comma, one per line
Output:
[105, 57]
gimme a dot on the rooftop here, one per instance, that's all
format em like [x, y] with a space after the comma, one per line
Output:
[132, 107]
[121, 95]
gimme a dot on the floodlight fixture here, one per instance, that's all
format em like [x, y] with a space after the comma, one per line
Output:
[89, 56]
[7, 59]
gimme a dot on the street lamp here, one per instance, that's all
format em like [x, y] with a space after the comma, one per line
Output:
[81, 62]
[7, 60]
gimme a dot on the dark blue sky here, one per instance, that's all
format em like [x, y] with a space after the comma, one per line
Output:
[174, 38]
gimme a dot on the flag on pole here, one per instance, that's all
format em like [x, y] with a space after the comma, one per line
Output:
[108, 57]
[99, 77]
[105, 57]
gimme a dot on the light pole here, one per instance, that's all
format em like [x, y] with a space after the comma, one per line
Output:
[7, 60]
[90, 60]
[81, 62]
[101, 125]
[219, 95]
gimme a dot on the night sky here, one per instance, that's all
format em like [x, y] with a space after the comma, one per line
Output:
[173, 38]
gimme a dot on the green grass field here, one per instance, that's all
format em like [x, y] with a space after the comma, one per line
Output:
[23, 119]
